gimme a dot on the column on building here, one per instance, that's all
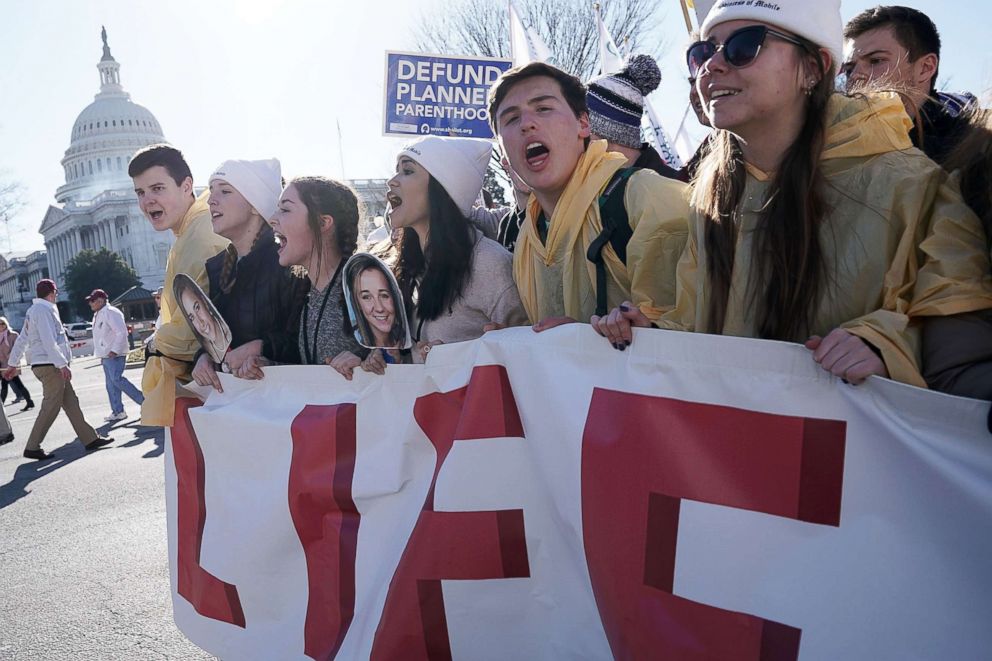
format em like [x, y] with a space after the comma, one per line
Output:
[56, 258]
[63, 253]
[53, 257]
[50, 255]
[64, 244]
[60, 245]
[60, 240]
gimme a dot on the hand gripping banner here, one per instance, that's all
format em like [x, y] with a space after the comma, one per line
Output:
[543, 496]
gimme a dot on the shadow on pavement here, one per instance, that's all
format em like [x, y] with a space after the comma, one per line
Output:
[32, 470]
[141, 435]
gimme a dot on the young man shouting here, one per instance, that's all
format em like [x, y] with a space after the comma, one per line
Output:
[539, 113]
[164, 185]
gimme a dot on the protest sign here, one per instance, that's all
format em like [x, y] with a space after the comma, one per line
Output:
[439, 94]
[544, 496]
[206, 322]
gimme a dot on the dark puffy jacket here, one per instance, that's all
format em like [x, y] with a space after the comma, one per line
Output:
[940, 130]
[650, 159]
[264, 303]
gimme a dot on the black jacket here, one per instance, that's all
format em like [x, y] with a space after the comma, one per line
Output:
[509, 228]
[941, 130]
[264, 303]
[650, 159]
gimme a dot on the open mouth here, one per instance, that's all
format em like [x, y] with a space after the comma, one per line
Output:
[536, 154]
[719, 94]
[155, 215]
[280, 240]
[216, 214]
[394, 200]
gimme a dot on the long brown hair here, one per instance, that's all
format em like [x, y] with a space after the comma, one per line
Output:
[788, 275]
[441, 272]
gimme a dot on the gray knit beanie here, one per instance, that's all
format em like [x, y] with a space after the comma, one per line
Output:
[616, 101]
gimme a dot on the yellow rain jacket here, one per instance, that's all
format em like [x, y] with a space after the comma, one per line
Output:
[557, 279]
[886, 198]
[195, 243]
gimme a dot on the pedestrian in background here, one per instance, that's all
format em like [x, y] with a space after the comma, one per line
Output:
[43, 338]
[110, 345]
[7, 338]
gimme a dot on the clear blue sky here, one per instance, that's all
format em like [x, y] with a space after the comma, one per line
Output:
[254, 78]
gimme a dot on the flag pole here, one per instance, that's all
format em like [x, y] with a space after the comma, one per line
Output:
[685, 15]
[341, 149]
[509, 17]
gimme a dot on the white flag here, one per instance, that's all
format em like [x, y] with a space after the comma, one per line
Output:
[702, 8]
[685, 145]
[662, 141]
[610, 60]
[525, 44]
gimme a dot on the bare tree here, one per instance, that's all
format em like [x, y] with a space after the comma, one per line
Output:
[481, 27]
[11, 203]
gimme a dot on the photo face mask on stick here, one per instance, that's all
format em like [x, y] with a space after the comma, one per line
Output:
[203, 318]
[375, 305]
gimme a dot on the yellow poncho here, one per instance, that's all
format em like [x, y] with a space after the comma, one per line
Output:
[195, 243]
[557, 279]
[885, 197]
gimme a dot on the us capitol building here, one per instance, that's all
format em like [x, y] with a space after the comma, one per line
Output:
[97, 207]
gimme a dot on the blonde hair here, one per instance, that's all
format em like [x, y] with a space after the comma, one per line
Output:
[4, 321]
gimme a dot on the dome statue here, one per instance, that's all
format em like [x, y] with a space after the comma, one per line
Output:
[105, 135]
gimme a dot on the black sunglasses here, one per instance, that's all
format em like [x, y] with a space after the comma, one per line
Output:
[739, 50]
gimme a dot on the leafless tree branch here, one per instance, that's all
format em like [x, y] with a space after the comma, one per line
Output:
[11, 200]
[481, 27]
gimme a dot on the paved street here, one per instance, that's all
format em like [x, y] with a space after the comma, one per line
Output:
[83, 565]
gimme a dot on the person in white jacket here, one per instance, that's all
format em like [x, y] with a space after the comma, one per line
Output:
[110, 345]
[43, 338]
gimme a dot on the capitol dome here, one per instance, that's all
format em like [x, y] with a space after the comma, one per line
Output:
[105, 136]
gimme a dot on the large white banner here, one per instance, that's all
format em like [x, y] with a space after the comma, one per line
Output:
[543, 496]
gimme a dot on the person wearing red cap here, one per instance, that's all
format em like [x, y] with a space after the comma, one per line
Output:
[110, 345]
[44, 339]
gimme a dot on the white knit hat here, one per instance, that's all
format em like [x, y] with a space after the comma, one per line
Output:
[458, 164]
[816, 20]
[260, 182]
